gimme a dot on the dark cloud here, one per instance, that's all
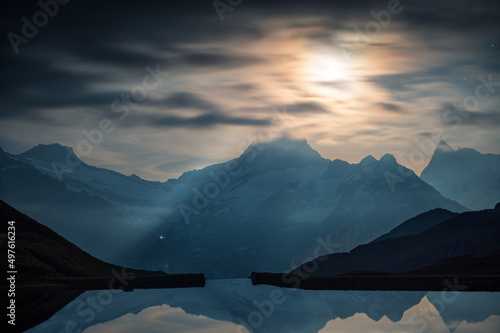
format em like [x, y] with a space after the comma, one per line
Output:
[453, 115]
[483, 119]
[306, 107]
[443, 17]
[219, 60]
[41, 86]
[450, 73]
[391, 107]
[358, 133]
[184, 100]
[243, 87]
[112, 55]
[207, 120]
[425, 134]
[368, 133]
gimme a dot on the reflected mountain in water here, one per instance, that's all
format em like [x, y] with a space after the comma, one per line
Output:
[237, 306]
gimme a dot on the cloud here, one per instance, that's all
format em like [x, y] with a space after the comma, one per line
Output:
[483, 119]
[219, 60]
[373, 132]
[116, 56]
[453, 16]
[306, 107]
[391, 107]
[165, 318]
[185, 100]
[206, 120]
[243, 87]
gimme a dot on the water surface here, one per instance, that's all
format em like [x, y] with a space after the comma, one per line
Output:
[237, 306]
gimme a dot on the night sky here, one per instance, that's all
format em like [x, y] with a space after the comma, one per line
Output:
[352, 77]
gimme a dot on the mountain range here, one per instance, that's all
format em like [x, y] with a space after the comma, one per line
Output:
[465, 175]
[266, 210]
[97, 209]
[42, 253]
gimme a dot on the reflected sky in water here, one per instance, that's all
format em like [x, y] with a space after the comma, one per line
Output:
[237, 306]
[423, 317]
[165, 319]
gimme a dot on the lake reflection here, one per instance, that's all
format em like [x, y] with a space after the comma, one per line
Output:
[237, 306]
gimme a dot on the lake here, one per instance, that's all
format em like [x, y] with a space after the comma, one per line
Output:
[225, 306]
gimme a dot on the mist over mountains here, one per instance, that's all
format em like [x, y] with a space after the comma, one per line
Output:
[267, 210]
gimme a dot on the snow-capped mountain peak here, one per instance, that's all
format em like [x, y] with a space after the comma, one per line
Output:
[443, 147]
[388, 159]
[51, 153]
[284, 145]
[368, 160]
[281, 153]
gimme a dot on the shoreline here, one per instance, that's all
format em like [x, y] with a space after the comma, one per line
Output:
[121, 283]
[381, 282]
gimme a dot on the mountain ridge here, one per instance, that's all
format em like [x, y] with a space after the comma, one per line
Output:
[51, 153]
[418, 224]
[259, 211]
[465, 175]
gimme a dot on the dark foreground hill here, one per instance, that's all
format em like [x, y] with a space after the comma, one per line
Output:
[43, 260]
[41, 254]
[418, 224]
[459, 235]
